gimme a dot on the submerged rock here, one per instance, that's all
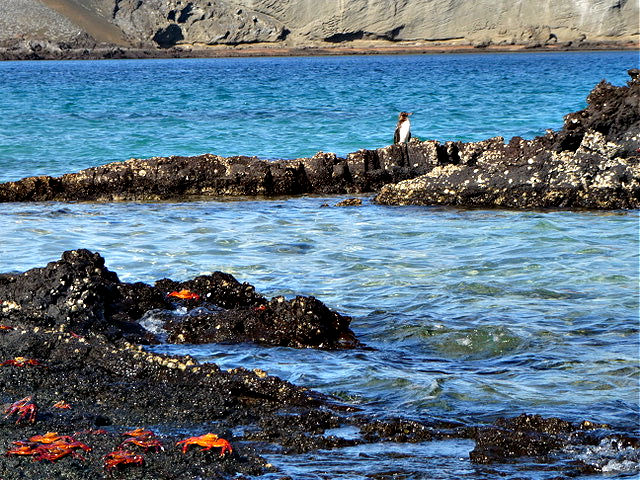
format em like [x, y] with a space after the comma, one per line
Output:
[593, 162]
[79, 294]
[349, 202]
[539, 438]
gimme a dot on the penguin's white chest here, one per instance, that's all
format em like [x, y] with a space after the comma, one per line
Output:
[405, 129]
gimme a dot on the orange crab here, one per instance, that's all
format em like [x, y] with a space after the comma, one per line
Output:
[139, 432]
[142, 438]
[26, 449]
[144, 442]
[51, 437]
[185, 295]
[61, 404]
[121, 457]
[24, 408]
[208, 441]
[20, 362]
[5, 327]
[59, 449]
[49, 446]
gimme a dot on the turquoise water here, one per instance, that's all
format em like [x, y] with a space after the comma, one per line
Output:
[61, 116]
[472, 313]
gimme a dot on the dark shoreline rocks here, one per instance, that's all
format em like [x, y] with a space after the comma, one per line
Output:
[69, 334]
[210, 176]
[85, 48]
[79, 294]
[592, 163]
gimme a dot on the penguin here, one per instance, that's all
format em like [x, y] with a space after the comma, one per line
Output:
[403, 129]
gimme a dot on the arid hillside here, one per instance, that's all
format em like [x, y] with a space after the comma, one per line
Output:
[110, 26]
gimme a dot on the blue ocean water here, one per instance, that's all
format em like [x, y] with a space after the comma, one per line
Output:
[472, 313]
[62, 116]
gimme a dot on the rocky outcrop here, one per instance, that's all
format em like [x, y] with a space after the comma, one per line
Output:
[211, 176]
[195, 22]
[593, 162]
[79, 294]
[533, 436]
[139, 25]
[64, 336]
[480, 22]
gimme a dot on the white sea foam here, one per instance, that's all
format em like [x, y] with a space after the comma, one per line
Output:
[611, 455]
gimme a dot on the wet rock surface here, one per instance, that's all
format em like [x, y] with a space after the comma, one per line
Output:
[91, 356]
[79, 294]
[593, 162]
[543, 439]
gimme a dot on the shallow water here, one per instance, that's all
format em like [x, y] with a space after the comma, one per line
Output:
[471, 314]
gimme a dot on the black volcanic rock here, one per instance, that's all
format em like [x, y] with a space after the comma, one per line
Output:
[301, 323]
[76, 293]
[213, 176]
[83, 355]
[593, 162]
[537, 437]
[79, 294]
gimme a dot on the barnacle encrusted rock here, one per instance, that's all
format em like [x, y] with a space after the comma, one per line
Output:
[79, 294]
[593, 162]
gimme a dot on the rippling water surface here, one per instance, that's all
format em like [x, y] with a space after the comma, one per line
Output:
[471, 313]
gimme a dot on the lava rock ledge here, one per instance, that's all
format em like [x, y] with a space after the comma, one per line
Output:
[592, 163]
[71, 333]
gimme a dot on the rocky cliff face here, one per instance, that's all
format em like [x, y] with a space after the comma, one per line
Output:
[496, 21]
[305, 21]
[165, 23]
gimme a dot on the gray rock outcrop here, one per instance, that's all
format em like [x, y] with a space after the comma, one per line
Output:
[487, 21]
[167, 23]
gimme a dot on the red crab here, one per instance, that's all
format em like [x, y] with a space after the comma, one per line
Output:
[185, 295]
[5, 327]
[208, 441]
[51, 437]
[24, 408]
[49, 446]
[20, 362]
[144, 442]
[59, 449]
[142, 438]
[27, 449]
[139, 432]
[121, 457]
